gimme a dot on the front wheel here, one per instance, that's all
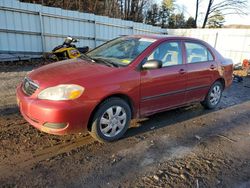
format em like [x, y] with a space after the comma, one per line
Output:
[111, 120]
[214, 95]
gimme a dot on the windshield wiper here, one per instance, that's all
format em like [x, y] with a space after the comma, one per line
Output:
[84, 56]
[107, 62]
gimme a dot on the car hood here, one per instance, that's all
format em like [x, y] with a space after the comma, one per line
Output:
[69, 71]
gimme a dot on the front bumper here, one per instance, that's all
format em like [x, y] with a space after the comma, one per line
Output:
[71, 116]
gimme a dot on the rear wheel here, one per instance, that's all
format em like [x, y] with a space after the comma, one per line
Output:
[213, 97]
[111, 120]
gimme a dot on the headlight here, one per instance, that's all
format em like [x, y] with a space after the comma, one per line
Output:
[61, 92]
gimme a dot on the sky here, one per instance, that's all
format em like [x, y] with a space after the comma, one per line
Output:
[188, 7]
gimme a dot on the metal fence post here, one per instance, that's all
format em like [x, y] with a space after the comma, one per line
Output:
[216, 38]
[42, 31]
[132, 30]
[95, 33]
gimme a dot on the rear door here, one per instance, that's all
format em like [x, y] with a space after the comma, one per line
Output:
[164, 87]
[201, 70]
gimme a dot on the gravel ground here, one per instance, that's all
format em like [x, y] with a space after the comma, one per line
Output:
[12, 73]
[186, 147]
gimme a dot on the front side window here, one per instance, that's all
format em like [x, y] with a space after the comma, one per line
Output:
[197, 53]
[168, 52]
[121, 51]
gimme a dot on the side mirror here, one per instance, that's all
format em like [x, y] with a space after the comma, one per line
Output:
[152, 64]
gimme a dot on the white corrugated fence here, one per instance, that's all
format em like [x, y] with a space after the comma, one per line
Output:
[26, 27]
[231, 43]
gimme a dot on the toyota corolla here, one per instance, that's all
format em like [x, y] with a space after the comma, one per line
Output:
[128, 77]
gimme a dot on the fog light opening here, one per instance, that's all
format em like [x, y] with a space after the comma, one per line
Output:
[55, 125]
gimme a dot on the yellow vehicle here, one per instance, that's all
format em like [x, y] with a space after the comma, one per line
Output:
[67, 50]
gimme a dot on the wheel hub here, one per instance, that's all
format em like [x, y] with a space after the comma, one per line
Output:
[113, 121]
[215, 95]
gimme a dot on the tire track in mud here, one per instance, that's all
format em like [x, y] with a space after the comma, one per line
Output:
[24, 161]
[11, 126]
[145, 157]
[41, 155]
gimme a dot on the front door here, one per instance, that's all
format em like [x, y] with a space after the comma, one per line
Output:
[165, 87]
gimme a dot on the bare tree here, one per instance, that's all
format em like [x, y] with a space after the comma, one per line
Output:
[196, 11]
[126, 9]
[225, 7]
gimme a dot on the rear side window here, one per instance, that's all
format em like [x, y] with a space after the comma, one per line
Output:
[169, 53]
[197, 53]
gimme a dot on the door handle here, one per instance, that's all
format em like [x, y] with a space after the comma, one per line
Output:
[182, 71]
[212, 67]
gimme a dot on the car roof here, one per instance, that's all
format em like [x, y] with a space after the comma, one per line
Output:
[160, 37]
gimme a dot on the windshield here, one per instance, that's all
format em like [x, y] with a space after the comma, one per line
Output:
[121, 51]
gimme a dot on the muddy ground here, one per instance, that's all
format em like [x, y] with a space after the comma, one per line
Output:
[186, 147]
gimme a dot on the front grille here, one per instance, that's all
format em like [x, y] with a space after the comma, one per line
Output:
[29, 87]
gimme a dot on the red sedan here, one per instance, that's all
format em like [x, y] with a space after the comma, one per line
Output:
[128, 77]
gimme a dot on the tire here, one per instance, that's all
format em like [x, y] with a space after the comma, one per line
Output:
[214, 96]
[111, 120]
